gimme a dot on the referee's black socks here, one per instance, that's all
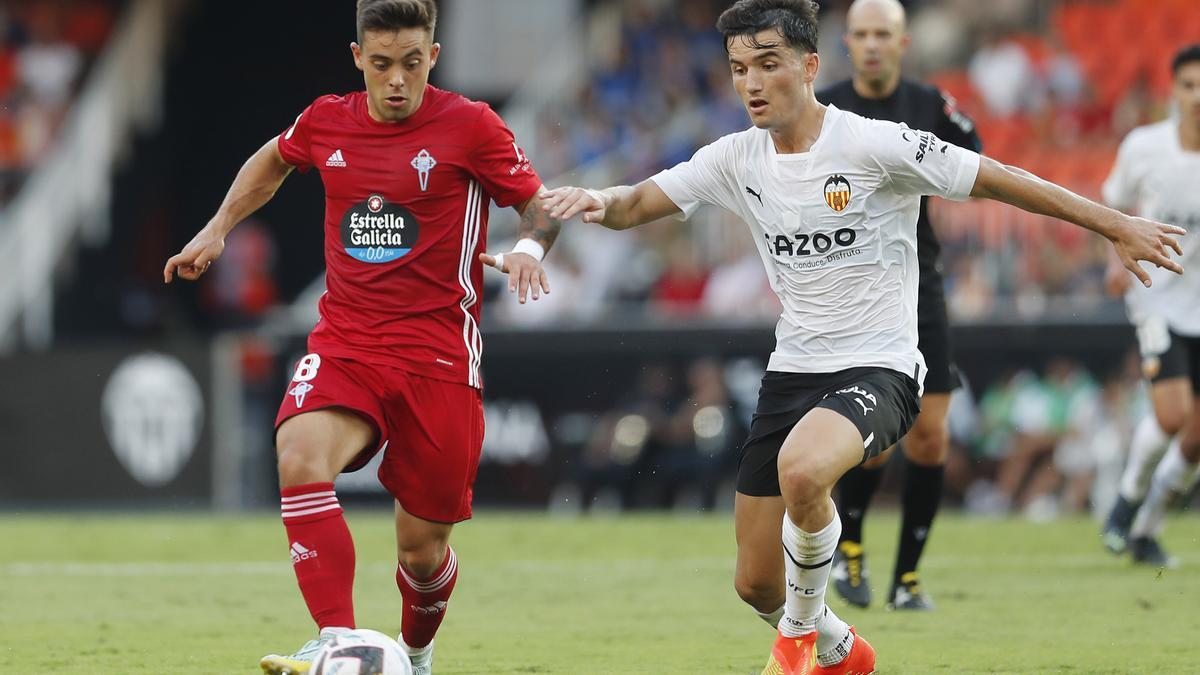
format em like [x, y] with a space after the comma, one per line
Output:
[855, 490]
[919, 498]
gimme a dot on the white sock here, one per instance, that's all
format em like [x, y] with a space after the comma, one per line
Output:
[1173, 476]
[772, 618]
[834, 639]
[1145, 450]
[808, 557]
[807, 561]
[334, 630]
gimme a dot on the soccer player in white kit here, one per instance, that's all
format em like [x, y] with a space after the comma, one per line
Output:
[1157, 174]
[832, 200]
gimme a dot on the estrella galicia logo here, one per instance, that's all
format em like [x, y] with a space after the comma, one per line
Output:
[837, 192]
[377, 231]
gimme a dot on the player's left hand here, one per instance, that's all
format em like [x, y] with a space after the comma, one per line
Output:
[526, 276]
[1139, 239]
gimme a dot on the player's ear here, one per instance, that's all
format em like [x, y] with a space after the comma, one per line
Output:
[905, 42]
[812, 63]
[433, 53]
[357, 52]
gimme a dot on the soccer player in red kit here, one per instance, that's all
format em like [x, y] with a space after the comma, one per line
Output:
[393, 363]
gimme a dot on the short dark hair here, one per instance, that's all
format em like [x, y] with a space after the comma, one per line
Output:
[1189, 54]
[394, 15]
[796, 21]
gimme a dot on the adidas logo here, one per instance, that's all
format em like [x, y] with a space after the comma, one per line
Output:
[336, 159]
[300, 553]
[435, 608]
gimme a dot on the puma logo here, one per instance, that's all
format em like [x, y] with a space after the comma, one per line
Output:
[756, 194]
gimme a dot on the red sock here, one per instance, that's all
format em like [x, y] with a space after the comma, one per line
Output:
[322, 552]
[425, 601]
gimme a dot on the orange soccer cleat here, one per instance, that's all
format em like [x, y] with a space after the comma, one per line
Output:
[860, 660]
[798, 656]
[793, 655]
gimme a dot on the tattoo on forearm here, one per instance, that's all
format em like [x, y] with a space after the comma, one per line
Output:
[536, 224]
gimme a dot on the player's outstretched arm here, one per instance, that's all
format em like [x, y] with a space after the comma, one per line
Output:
[1133, 238]
[617, 208]
[523, 264]
[254, 186]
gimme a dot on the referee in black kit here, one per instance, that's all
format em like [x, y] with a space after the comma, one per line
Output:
[877, 37]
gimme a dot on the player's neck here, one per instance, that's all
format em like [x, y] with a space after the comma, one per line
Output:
[876, 90]
[1189, 135]
[801, 133]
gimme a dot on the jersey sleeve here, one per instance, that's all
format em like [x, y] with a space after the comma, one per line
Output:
[499, 164]
[955, 127]
[1120, 190]
[919, 163]
[295, 141]
[706, 178]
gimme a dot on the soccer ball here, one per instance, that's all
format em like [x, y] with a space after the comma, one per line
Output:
[362, 652]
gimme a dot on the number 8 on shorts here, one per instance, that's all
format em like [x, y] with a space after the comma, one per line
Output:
[307, 368]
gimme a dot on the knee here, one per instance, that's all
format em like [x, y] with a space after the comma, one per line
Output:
[764, 595]
[801, 480]
[1172, 418]
[926, 444]
[423, 560]
[300, 461]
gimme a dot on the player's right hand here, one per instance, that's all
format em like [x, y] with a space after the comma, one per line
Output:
[196, 257]
[565, 203]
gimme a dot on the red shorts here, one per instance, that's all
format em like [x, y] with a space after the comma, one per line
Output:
[430, 431]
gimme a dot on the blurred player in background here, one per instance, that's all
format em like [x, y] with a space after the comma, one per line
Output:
[877, 37]
[832, 200]
[1157, 174]
[394, 362]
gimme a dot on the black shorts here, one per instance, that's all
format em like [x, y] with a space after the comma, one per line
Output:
[881, 402]
[1181, 359]
[933, 339]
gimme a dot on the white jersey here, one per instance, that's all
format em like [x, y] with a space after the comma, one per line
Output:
[1159, 180]
[837, 230]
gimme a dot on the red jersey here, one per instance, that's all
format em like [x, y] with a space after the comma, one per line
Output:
[406, 210]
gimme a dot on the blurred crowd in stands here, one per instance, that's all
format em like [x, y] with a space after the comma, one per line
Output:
[1039, 79]
[46, 46]
[1046, 443]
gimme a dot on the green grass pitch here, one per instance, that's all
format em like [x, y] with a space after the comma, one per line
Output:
[155, 594]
